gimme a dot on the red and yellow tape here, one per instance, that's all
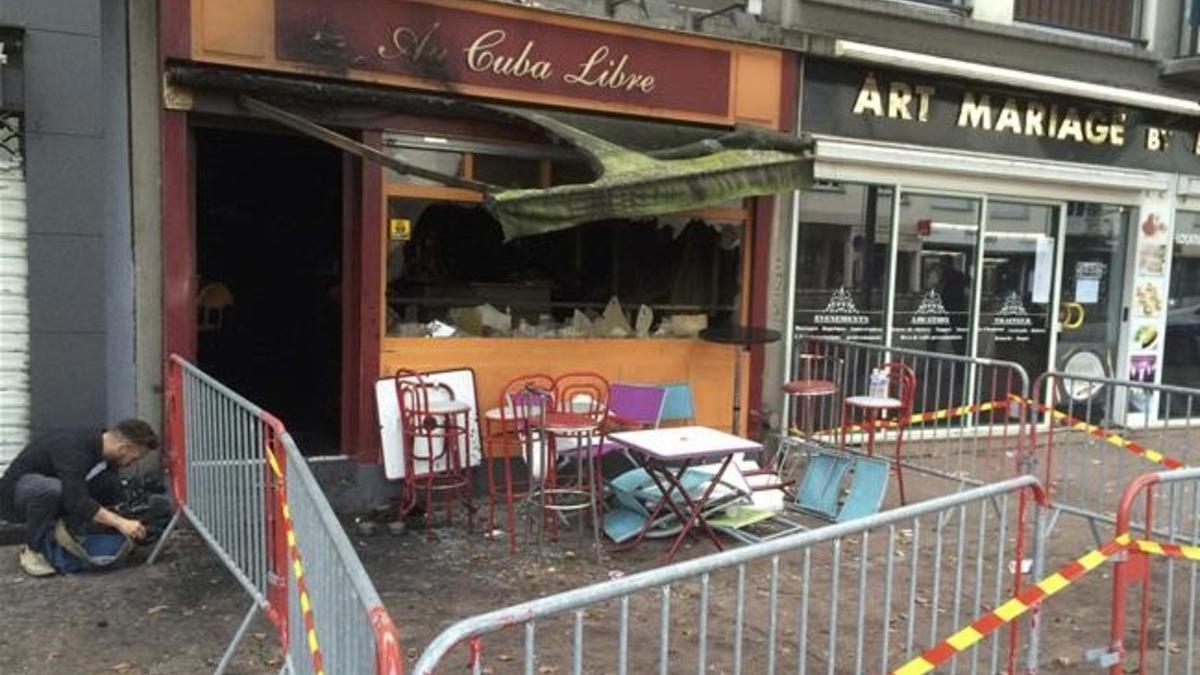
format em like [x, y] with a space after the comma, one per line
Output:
[1036, 594]
[1150, 454]
[1009, 611]
[310, 627]
[920, 418]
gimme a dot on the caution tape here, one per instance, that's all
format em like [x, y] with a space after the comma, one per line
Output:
[1168, 550]
[310, 628]
[920, 418]
[1150, 454]
[1034, 595]
[1013, 608]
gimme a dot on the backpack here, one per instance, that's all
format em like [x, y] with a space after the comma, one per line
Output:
[71, 554]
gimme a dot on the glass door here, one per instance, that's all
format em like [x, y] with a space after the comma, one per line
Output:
[1093, 288]
[938, 241]
[1017, 283]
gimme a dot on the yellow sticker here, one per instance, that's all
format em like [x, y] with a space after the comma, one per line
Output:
[400, 229]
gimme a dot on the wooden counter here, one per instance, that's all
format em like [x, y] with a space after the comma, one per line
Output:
[708, 367]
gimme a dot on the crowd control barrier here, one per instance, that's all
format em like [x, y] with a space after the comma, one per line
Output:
[859, 595]
[1155, 585]
[238, 478]
[1090, 436]
[967, 421]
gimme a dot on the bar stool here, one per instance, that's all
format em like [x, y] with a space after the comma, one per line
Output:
[815, 377]
[436, 441]
[574, 428]
[513, 431]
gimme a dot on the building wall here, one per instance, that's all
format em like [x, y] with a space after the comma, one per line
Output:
[80, 264]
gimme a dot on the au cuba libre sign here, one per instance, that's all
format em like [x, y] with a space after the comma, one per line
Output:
[861, 102]
[449, 47]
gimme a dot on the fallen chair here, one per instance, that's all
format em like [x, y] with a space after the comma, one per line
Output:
[637, 495]
[819, 494]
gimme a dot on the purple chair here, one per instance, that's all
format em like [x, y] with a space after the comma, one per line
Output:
[630, 407]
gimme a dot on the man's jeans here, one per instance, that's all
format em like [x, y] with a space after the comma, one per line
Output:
[37, 500]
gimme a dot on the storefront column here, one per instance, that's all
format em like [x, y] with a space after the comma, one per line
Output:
[367, 270]
[178, 238]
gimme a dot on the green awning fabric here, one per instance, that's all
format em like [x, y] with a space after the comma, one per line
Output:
[641, 184]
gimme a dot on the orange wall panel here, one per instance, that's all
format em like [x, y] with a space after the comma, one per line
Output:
[234, 28]
[708, 367]
[758, 85]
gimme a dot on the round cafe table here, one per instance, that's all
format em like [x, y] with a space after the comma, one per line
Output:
[743, 337]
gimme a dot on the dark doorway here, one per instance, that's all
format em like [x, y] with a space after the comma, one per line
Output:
[269, 261]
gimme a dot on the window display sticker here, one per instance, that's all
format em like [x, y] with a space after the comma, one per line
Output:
[1145, 336]
[1043, 270]
[1152, 260]
[1087, 291]
[1148, 299]
[1088, 274]
[1143, 367]
[1153, 226]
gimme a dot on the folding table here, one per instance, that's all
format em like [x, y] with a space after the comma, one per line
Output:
[666, 454]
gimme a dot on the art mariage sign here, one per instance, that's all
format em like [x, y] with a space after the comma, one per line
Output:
[865, 102]
[450, 47]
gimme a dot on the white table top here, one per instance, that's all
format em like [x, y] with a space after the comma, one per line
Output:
[684, 443]
[874, 401]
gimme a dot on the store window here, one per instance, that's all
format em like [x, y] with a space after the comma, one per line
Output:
[1181, 352]
[1017, 282]
[935, 270]
[844, 238]
[449, 272]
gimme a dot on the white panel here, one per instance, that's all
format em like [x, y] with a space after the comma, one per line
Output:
[14, 312]
[914, 167]
[461, 382]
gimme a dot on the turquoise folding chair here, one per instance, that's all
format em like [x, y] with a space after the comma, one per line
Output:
[679, 407]
[819, 489]
[867, 488]
[636, 495]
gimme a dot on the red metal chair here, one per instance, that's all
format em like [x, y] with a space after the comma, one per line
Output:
[574, 427]
[512, 431]
[901, 388]
[436, 442]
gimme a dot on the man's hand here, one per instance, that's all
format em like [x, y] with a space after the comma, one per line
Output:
[132, 529]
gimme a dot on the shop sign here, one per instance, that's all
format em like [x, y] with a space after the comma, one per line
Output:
[450, 47]
[856, 101]
[841, 311]
[839, 318]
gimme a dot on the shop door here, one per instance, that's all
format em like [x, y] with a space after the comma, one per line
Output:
[1092, 289]
[269, 246]
[1016, 283]
[935, 269]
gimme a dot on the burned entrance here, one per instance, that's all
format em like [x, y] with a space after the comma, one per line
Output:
[269, 262]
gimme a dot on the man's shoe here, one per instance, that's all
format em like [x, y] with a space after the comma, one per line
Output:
[35, 564]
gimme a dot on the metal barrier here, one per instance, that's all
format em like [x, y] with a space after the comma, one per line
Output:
[237, 476]
[1091, 435]
[1163, 626]
[342, 613]
[967, 421]
[871, 592]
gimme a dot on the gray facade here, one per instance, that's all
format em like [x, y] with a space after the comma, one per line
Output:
[76, 150]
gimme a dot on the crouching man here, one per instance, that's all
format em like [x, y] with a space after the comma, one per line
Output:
[71, 475]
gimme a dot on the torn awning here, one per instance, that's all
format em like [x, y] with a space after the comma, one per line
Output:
[641, 184]
[643, 168]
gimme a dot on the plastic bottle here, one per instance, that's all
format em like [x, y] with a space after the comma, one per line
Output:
[877, 386]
